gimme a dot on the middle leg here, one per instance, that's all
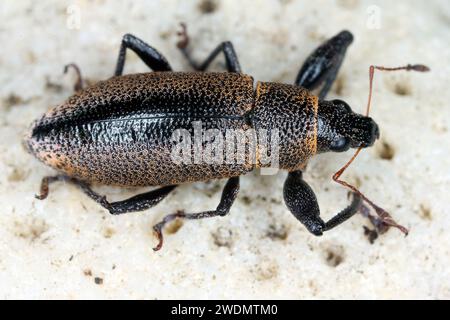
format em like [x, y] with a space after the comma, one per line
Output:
[151, 57]
[229, 194]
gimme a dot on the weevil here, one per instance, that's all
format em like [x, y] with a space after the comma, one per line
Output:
[120, 131]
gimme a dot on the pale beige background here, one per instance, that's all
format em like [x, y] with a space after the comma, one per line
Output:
[58, 247]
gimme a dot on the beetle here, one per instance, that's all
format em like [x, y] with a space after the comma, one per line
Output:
[120, 131]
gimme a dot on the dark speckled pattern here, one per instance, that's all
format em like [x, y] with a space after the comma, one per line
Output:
[118, 131]
[293, 110]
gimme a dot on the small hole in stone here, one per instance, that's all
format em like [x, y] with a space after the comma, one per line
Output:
[12, 100]
[223, 237]
[402, 89]
[207, 6]
[425, 212]
[334, 256]
[246, 200]
[108, 232]
[87, 272]
[277, 231]
[386, 151]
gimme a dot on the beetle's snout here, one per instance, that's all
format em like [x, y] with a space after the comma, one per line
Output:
[364, 132]
[375, 132]
[339, 128]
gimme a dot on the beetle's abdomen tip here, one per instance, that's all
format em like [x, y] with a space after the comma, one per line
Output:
[28, 141]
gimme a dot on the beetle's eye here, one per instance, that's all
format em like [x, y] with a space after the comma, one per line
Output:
[340, 145]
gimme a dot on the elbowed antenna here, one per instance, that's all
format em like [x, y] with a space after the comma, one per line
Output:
[385, 217]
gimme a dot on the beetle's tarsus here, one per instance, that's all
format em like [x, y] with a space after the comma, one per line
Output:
[160, 237]
[45, 183]
[157, 228]
[158, 233]
[44, 190]
[346, 213]
[383, 221]
[379, 226]
[79, 82]
[386, 221]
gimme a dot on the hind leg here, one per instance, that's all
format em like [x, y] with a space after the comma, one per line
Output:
[226, 47]
[139, 202]
[78, 86]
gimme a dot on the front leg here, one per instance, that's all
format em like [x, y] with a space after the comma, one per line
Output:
[302, 202]
[322, 66]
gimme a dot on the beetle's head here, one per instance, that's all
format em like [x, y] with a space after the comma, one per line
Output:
[339, 128]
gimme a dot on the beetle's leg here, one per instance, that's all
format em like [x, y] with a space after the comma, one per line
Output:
[322, 66]
[139, 202]
[45, 182]
[226, 47]
[151, 57]
[79, 82]
[302, 202]
[229, 194]
[136, 203]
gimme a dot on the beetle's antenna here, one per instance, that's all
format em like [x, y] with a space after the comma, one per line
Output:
[409, 67]
[383, 214]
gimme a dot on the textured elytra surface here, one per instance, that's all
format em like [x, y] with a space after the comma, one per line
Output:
[120, 131]
[58, 248]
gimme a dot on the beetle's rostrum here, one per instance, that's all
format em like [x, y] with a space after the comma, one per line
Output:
[339, 128]
[119, 131]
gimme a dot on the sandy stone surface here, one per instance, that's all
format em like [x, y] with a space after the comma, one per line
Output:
[69, 247]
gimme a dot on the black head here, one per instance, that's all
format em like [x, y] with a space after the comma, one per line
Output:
[339, 128]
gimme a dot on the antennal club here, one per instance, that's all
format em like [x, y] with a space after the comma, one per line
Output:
[383, 215]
